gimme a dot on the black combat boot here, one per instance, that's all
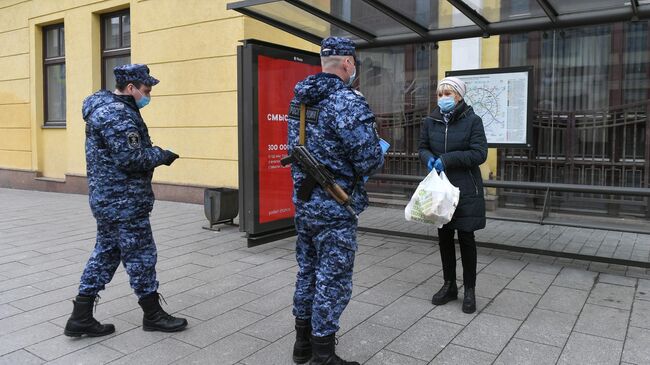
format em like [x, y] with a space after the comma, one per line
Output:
[469, 303]
[82, 322]
[447, 293]
[302, 347]
[156, 319]
[323, 352]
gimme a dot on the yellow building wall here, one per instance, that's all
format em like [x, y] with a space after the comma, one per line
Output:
[15, 126]
[490, 59]
[192, 49]
[191, 46]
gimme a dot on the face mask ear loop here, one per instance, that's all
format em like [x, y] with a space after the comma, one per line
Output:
[137, 90]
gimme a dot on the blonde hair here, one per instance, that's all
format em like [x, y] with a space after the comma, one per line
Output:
[446, 87]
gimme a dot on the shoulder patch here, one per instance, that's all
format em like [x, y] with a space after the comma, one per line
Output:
[133, 139]
[367, 117]
[294, 111]
[311, 114]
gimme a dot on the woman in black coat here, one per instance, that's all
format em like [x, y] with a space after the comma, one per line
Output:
[452, 139]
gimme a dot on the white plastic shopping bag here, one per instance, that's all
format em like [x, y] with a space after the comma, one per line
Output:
[434, 201]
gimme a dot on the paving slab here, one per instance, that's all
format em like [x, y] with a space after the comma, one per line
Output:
[523, 352]
[636, 349]
[588, 349]
[454, 354]
[488, 333]
[425, 339]
[603, 321]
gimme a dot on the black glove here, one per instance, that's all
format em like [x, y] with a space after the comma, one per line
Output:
[169, 157]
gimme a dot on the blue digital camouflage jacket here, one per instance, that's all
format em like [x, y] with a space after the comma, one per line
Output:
[341, 134]
[120, 157]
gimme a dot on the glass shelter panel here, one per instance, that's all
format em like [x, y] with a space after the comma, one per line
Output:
[298, 18]
[399, 83]
[507, 9]
[591, 94]
[577, 6]
[431, 14]
[361, 15]
[590, 116]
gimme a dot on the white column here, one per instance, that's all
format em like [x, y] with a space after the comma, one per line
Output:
[466, 53]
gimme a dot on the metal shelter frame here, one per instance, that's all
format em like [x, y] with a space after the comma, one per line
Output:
[631, 10]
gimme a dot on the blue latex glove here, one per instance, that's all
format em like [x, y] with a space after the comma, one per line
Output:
[430, 163]
[439, 166]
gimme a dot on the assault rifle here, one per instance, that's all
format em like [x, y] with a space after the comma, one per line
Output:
[317, 173]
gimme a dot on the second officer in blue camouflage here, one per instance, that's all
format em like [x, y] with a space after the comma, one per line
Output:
[120, 160]
[341, 135]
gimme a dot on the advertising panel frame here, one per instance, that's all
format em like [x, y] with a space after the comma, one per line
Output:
[248, 137]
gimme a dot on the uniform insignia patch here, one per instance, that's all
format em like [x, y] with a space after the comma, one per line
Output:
[311, 113]
[133, 139]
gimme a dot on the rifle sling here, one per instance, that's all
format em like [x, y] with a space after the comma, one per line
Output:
[304, 193]
[303, 113]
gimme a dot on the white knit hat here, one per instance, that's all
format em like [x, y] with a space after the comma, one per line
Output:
[457, 84]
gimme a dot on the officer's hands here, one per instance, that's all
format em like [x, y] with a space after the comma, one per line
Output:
[430, 163]
[169, 157]
[439, 166]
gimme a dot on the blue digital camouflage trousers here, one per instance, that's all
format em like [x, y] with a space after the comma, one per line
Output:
[325, 254]
[129, 242]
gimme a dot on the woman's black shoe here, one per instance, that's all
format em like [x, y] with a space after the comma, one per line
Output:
[469, 303]
[447, 293]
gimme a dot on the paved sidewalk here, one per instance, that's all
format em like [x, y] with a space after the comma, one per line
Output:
[532, 309]
[568, 240]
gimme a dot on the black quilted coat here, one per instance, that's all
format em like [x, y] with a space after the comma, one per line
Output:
[462, 146]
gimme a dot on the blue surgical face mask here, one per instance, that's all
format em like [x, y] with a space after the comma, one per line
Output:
[144, 100]
[354, 76]
[446, 103]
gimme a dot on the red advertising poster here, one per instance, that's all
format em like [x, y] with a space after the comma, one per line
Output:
[276, 79]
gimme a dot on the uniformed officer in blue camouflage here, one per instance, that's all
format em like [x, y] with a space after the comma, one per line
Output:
[342, 136]
[120, 160]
